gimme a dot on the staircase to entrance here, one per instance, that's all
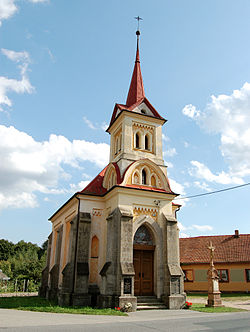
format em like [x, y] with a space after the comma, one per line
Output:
[149, 303]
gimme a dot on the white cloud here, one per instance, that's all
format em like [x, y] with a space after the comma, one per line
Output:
[165, 138]
[16, 56]
[191, 111]
[79, 186]
[178, 189]
[228, 116]
[28, 166]
[202, 228]
[7, 9]
[13, 85]
[186, 144]
[89, 123]
[203, 172]
[38, 1]
[182, 235]
[170, 152]
[202, 185]
[187, 231]
[169, 164]
[95, 126]
[104, 126]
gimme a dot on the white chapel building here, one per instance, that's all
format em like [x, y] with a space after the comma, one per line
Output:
[116, 242]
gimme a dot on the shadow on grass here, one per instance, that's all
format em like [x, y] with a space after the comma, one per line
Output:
[35, 303]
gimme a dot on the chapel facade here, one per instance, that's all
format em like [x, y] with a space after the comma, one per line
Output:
[118, 239]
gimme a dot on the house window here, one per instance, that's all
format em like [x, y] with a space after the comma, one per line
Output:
[248, 275]
[223, 275]
[188, 275]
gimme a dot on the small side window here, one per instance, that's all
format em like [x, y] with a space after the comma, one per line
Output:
[188, 275]
[223, 275]
[248, 275]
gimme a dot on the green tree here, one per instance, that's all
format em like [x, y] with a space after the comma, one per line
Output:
[5, 266]
[6, 249]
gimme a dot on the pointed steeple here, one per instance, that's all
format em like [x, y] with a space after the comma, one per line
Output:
[136, 89]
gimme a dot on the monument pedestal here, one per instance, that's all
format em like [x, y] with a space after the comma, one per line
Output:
[214, 299]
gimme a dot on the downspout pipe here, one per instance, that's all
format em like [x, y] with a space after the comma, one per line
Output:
[76, 247]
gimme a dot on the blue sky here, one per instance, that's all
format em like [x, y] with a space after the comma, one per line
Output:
[63, 66]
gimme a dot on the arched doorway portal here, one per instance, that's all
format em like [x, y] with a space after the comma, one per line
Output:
[143, 258]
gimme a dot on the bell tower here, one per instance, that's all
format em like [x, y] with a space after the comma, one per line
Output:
[136, 127]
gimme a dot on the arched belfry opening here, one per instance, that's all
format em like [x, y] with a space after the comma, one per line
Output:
[143, 259]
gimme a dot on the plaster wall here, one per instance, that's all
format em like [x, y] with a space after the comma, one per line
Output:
[237, 277]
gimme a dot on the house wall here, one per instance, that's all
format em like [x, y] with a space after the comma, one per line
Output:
[236, 273]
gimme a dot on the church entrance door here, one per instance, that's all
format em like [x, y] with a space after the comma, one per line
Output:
[144, 266]
[143, 258]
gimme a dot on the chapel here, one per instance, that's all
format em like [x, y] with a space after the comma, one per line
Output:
[117, 241]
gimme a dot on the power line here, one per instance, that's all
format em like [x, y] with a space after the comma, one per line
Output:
[216, 191]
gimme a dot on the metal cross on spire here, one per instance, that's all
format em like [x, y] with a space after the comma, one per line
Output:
[138, 18]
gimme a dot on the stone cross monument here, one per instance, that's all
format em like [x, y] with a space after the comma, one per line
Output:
[214, 299]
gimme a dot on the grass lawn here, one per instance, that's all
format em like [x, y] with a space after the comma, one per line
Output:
[35, 303]
[225, 297]
[201, 307]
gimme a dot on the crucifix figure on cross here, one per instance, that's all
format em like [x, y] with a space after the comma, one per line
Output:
[211, 248]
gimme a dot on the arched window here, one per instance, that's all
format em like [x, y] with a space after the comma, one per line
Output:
[120, 142]
[137, 141]
[93, 276]
[136, 178]
[146, 143]
[153, 181]
[116, 145]
[143, 236]
[144, 176]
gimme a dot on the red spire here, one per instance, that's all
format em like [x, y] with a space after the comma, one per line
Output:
[136, 89]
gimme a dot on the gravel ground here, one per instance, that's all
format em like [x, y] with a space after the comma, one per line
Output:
[239, 304]
[20, 294]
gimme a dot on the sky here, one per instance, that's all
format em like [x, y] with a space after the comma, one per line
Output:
[63, 66]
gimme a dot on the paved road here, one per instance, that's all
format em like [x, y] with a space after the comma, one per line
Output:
[157, 320]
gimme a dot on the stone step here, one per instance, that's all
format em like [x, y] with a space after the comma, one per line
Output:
[149, 303]
[151, 307]
[144, 299]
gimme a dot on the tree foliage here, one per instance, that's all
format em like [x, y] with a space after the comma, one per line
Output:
[23, 260]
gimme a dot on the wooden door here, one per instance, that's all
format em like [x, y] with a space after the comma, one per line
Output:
[143, 265]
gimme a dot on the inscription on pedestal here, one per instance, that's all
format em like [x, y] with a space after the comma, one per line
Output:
[175, 285]
[127, 288]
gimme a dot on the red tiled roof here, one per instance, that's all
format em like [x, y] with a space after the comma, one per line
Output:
[123, 107]
[136, 89]
[138, 186]
[95, 187]
[136, 93]
[228, 249]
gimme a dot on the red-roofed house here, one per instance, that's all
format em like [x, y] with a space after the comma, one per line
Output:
[118, 239]
[231, 259]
